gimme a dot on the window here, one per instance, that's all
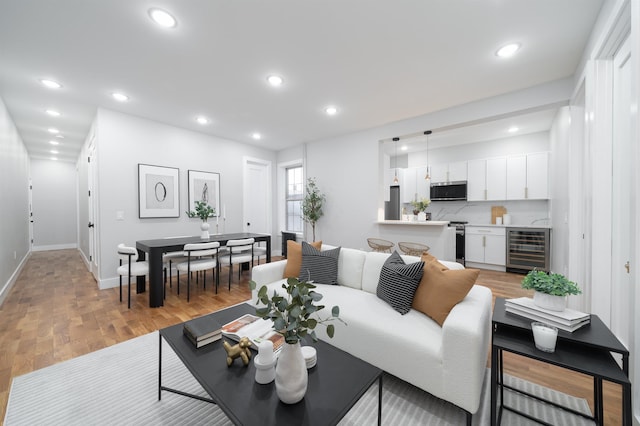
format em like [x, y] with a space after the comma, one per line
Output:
[294, 193]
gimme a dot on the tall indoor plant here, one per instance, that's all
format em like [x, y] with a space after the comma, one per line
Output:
[291, 314]
[203, 210]
[312, 205]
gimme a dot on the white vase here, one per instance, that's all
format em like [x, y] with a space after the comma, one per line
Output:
[549, 301]
[204, 226]
[291, 374]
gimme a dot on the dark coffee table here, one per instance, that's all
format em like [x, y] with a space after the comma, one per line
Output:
[336, 383]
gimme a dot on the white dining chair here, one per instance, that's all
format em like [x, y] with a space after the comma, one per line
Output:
[130, 267]
[237, 252]
[200, 257]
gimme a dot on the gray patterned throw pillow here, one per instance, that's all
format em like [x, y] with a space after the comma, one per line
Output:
[321, 267]
[398, 282]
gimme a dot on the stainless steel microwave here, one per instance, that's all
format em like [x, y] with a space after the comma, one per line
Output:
[449, 191]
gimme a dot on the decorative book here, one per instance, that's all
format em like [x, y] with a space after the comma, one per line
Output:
[567, 320]
[203, 330]
[255, 329]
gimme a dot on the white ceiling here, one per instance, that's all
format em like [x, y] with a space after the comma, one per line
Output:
[377, 61]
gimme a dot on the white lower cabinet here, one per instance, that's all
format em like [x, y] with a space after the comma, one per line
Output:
[485, 245]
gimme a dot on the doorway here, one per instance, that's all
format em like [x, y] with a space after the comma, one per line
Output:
[257, 196]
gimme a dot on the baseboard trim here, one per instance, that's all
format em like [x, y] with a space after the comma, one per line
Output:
[55, 247]
[12, 280]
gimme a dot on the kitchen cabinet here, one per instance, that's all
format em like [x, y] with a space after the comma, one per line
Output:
[449, 172]
[527, 177]
[486, 179]
[485, 244]
[413, 184]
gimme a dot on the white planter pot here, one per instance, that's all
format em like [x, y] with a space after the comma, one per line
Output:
[204, 226]
[291, 374]
[549, 301]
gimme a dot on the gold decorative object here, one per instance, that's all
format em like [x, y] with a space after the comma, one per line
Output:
[239, 350]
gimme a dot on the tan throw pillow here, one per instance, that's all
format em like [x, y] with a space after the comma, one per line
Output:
[294, 258]
[442, 289]
[427, 257]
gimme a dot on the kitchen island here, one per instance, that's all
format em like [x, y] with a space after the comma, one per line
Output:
[435, 233]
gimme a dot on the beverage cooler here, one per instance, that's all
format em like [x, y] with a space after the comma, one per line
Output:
[528, 248]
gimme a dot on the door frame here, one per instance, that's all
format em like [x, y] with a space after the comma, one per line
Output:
[246, 192]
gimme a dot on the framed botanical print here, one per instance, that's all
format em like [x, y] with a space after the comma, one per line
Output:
[158, 191]
[204, 186]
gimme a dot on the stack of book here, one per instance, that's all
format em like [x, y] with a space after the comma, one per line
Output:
[567, 320]
[203, 330]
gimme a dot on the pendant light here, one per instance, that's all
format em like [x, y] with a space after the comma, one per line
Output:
[395, 177]
[428, 175]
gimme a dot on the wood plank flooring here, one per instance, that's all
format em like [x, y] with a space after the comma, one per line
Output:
[55, 312]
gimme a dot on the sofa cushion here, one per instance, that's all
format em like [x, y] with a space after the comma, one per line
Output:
[398, 282]
[294, 258]
[441, 289]
[319, 266]
[350, 267]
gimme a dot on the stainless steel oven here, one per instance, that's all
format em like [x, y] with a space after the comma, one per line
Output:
[459, 225]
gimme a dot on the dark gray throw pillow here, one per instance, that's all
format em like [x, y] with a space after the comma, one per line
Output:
[398, 282]
[319, 266]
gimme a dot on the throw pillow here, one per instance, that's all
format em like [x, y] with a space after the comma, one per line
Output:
[319, 266]
[398, 282]
[427, 257]
[294, 258]
[441, 289]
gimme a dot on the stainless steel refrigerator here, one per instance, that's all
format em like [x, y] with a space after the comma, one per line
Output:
[392, 207]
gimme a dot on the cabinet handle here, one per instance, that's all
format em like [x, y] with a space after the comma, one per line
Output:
[484, 241]
[526, 192]
[485, 194]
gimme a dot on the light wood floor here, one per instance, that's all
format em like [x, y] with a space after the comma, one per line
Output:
[55, 312]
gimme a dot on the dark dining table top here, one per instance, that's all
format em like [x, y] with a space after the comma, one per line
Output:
[179, 242]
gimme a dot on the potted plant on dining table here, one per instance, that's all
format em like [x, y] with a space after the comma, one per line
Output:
[204, 211]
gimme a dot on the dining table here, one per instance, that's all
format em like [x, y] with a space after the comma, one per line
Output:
[154, 249]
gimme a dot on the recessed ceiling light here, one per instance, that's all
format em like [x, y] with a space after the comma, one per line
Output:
[59, 136]
[53, 130]
[202, 120]
[404, 148]
[331, 110]
[508, 50]
[120, 97]
[256, 136]
[53, 113]
[54, 158]
[54, 142]
[53, 151]
[275, 80]
[50, 83]
[162, 18]
[513, 129]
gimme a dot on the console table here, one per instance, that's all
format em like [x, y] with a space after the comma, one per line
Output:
[587, 350]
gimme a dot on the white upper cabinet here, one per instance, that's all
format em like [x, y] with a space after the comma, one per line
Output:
[423, 186]
[449, 172]
[486, 179]
[527, 176]
[408, 185]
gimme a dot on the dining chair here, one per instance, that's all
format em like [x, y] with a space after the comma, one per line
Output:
[170, 261]
[237, 252]
[130, 267]
[200, 257]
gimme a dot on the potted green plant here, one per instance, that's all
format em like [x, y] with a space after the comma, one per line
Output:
[203, 210]
[420, 205]
[312, 205]
[550, 289]
[291, 316]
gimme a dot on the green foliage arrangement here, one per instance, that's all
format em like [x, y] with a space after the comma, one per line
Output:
[203, 211]
[421, 205]
[554, 284]
[291, 314]
[312, 205]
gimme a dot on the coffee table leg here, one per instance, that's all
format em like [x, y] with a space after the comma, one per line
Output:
[159, 366]
[380, 400]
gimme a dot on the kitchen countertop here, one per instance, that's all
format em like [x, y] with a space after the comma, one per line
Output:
[509, 226]
[414, 223]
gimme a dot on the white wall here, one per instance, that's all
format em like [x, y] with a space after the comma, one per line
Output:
[54, 199]
[14, 205]
[124, 141]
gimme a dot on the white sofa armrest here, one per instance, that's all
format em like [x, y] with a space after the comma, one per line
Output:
[465, 343]
[266, 273]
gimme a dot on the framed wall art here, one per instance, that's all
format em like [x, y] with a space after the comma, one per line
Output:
[158, 191]
[204, 186]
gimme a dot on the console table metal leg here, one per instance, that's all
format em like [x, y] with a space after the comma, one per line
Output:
[626, 405]
[494, 383]
[159, 366]
[380, 400]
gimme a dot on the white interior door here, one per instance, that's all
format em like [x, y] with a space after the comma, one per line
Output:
[30, 215]
[92, 208]
[257, 196]
[623, 193]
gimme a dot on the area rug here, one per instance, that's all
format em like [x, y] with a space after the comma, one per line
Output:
[118, 386]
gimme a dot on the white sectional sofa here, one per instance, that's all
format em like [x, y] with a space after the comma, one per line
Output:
[449, 362]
